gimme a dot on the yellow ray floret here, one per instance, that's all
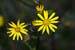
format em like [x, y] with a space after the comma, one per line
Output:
[46, 23]
[17, 30]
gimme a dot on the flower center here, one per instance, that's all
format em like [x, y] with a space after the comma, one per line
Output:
[46, 22]
[17, 29]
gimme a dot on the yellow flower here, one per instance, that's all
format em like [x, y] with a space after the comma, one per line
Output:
[46, 22]
[17, 30]
[39, 8]
[1, 21]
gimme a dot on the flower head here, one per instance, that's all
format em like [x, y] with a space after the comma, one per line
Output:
[17, 30]
[39, 8]
[46, 22]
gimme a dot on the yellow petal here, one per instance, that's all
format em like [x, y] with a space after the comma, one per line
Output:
[24, 32]
[51, 28]
[41, 7]
[22, 24]
[8, 32]
[40, 16]
[47, 29]
[12, 25]
[14, 36]
[20, 36]
[44, 29]
[11, 34]
[17, 36]
[54, 21]
[46, 14]
[18, 23]
[54, 26]
[12, 29]
[52, 15]
[37, 8]
[37, 23]
[55, 18]
[40, 28]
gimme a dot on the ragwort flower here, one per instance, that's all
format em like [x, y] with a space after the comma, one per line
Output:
[46, 22]
[39, 8]
[16, 31]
